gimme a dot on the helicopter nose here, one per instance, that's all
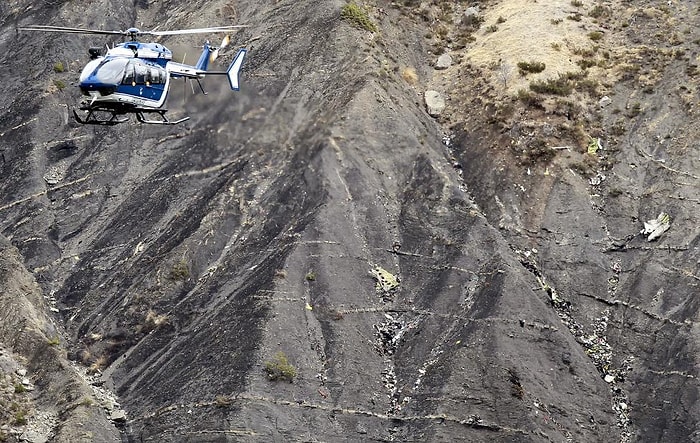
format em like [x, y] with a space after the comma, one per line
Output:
[88, 87]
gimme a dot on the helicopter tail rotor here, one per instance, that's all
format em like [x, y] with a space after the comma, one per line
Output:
[224, 43]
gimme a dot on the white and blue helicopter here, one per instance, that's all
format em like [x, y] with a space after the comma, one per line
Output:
[134, 77]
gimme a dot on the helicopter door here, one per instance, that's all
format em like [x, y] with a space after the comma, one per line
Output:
[144, 80]
[129, 75]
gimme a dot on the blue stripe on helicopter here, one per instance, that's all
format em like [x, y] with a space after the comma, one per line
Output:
[152, 92]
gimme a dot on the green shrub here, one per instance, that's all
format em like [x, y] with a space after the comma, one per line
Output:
[595, 35]
[20, 388]
[555, 86]
[60, 84]
[528, 67]
[599, 11]
[528, 98]
[279, 368]
[180, 270]
[20, 418]
[358, 16]
[58, 67]
[311, 276]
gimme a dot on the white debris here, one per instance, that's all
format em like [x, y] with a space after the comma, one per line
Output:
[654, 228]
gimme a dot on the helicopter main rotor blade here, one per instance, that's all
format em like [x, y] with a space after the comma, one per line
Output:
[69, 30]
[194, 31]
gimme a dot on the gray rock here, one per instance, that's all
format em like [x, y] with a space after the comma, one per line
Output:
[118, 415]
[34, 436]
[435, 102]
[444, 61]
[471, 11]
[605, 101]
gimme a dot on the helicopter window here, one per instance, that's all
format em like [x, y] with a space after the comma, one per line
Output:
[89, 69]
[141, 73]
[110, 71]
[155, 77]
[129, 78]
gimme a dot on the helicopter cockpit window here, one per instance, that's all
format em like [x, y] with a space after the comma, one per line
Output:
[138, 73]
[110, 71]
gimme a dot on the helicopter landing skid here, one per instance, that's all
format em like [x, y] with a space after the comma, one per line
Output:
[161, 112]
[109, 116]
[97, 119]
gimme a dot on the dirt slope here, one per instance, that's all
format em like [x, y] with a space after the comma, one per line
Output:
[441, 279]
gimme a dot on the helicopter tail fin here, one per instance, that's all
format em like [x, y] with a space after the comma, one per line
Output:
[234, 69]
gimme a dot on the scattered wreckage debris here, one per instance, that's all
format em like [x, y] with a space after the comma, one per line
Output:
[654, 228]
[387, 283]
[595, 345]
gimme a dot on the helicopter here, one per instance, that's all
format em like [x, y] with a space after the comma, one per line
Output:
[133, 77]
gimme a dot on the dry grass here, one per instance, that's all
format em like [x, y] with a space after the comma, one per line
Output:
[548, 43]
[409, 75]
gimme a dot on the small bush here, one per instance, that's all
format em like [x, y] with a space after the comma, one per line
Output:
[20, 388]
[528, 98]
[530, 67]
[20, 418]
[492, 28]
[358, 16]
[180, 270]
[472, 22]
[60, 84]
[561, 86]
[311, 276]
[58, 67]
[587, 63]
[54, 341]
[279, 368]
[595, 35]
[634, 110]
[599, 11]
[537, 152]
[576, 3]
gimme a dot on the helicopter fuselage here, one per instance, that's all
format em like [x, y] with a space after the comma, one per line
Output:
[133, 78]
[130, 74]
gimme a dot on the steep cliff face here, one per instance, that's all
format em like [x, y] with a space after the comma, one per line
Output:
[450, 278]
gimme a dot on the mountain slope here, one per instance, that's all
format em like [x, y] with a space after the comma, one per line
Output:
[449, 278]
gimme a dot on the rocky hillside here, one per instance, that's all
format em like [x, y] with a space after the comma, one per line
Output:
[417, 221]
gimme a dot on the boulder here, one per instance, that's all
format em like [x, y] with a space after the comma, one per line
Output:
[444, 61]
[435, 102]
